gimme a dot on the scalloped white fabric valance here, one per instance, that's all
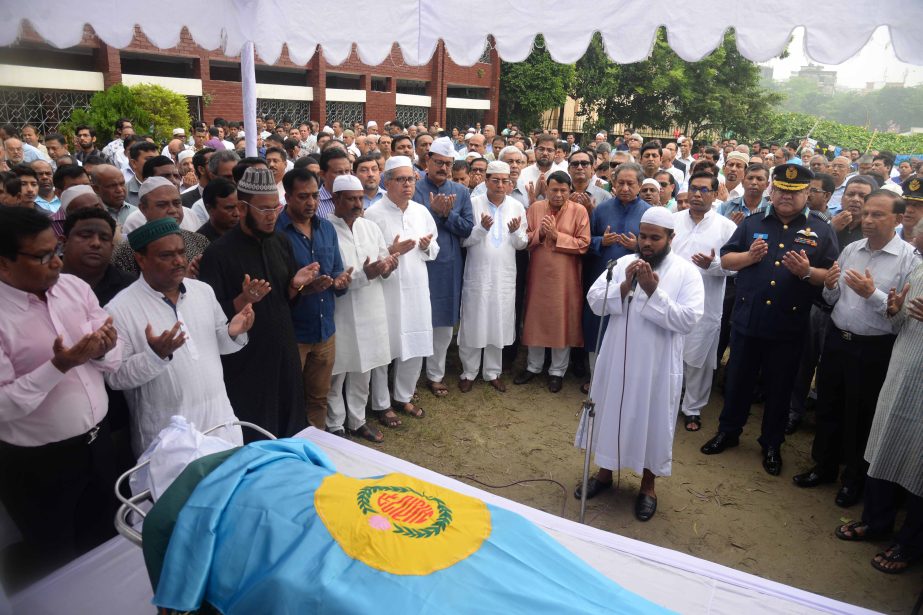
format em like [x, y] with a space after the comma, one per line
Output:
[834, 30]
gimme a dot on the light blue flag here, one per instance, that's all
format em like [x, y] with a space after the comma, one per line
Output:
[260, 535]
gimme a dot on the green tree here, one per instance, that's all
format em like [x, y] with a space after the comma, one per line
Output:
[719, 94]
[783, 127]
[530, 87]
[165, 110]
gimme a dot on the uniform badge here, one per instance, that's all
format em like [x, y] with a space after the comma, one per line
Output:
[791, 173]
[914, 185]
[807, 232]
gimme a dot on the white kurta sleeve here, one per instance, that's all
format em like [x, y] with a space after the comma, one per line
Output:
[596, 295]
[432, 251]
[140, 365]
[679, 314]
[478, 233]
[520, 238]
[226, 343]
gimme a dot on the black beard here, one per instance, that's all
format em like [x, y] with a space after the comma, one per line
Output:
[253, 228]
[656, 258]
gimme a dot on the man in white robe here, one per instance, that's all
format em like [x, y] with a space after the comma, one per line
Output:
[488, 305]
[174, 333]
[639, 373]
[699, 233]
[412, 232]
[360, 317]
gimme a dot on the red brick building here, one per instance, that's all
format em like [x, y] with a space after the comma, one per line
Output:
[40, 84]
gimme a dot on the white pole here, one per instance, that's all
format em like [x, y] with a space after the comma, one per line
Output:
[248, 81]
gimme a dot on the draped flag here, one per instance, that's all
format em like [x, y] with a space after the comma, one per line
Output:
[274, 529]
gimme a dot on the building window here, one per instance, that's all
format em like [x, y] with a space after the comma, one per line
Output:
[223, 72]
[344, 82]
[409, 86]
[407, 114]
[44, 109]
[347, 113]
[464, 91]
[295, 110]
[463, 118]
[381, 84]
[158, 66]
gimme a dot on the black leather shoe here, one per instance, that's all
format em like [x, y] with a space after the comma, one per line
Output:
[848, 495]
[593, 488]
[645, 507]
[792, 425]
[814, 477]
[555, 383]
[772, 460]
[721, 441]
[524, 376]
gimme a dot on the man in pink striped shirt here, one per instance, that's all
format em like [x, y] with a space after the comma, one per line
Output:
[56, 460]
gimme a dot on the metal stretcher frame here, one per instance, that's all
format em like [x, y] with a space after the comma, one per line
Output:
[133, 504]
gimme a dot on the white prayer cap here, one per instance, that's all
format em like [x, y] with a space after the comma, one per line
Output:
[468, 135]
[739, 156]
[498, 167]
[72, 193]
[397, 162]
[658, 216]
[183, 155]
[346, 182]
[372, 123]
[471, 131]
[471, 155]
[442, 147]
[601, 134]
[327, 129]
[153, 183]
[179, 131]
[650, 181]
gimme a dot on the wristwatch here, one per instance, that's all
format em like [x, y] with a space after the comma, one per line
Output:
[807, 276]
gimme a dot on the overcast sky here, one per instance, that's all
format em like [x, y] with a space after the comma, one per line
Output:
[875, 62]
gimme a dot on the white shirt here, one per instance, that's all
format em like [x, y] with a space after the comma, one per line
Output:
[192, 382]
[136, 219]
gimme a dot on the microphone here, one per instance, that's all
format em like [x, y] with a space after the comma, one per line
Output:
[609, 267]
[634, 285]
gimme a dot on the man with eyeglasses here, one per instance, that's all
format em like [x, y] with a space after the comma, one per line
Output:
[780, 257]
[580, 168]
[848, 223]
[840, 169]
[819, 194]
[333, 163]
[534, 174]
[477, 167]
[255, 264]
[56, 458]
[450, 205]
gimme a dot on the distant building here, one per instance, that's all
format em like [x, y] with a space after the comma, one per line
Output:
[825, 79]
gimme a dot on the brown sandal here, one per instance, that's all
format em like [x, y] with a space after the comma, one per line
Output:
[414, 410]
[366, 433]
[438, 389]
[388, 418]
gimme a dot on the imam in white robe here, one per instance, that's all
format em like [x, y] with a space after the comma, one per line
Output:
[360, 317]
[650, 362]
[410, 322]
[701, 347]
[488, 306]
[190, 384]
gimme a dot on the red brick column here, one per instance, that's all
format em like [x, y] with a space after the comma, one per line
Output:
[317, 79]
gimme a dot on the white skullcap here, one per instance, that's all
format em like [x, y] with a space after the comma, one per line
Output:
[372, 123]
[658, 216]
[397, 162]
[346, 182]
[442, 147]
[469, 135]
[183, 155]
[72, 193]
[651, 181]
[179, 131]
[327, 129]
[735, 155]
[498, 167]
[471, 131]
[471, 155]
[153, 183]
[601, 134]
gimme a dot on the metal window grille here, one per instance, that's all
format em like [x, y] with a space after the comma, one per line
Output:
[44, 109]
[462, 118]
[408, 114]
[347, 113]
[295, 110]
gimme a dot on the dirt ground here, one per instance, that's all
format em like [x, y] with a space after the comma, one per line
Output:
[722, 508]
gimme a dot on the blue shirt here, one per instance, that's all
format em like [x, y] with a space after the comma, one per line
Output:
[312, 314]
[50, 206]
[445, 273]
[737, 204]
[325, 203]
[368, 202]
[772, 302]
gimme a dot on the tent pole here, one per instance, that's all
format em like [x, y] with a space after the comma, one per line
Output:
[248, 83]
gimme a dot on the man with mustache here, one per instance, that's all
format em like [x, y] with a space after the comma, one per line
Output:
[654, 300]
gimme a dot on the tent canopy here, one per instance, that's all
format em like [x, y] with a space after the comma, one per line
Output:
[835, 30]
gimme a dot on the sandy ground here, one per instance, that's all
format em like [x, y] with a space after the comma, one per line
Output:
[722, 508]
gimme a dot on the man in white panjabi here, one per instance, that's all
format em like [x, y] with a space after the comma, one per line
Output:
[488, 302]
[639, 373]
[174, 332]
[360, 317]
[411, 231]
[699, 233]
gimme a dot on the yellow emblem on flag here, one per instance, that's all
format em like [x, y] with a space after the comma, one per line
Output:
[791, 173]
[399, 524]
[914, 185]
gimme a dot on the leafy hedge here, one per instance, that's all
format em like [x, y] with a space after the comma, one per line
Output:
[784, 127]
[154, 110]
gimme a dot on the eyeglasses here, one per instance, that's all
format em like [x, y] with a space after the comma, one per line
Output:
[270, 211]
[817, 191]
[407, 179]
[703, 190]
[44, 259]
[580, 163]
[441, 163]
[500, 182]
[664, 184]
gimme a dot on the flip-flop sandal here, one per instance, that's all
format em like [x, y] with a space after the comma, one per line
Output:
[415, 411]
[854, 536]
[693, 420]
[438, 389]
[392, 421]
[366, 433]
[585, 388]
[896, 554]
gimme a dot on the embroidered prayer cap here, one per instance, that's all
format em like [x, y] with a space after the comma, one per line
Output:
[396, 162]
[183, 155]
[442, 147]
[498, 167]
[913, 190]
[153, 183]
[739, 156]
[346, 182]
[257, 181]
[152, 231]
[72, 193]
[792, 177]
[658, 216]
[650, 181]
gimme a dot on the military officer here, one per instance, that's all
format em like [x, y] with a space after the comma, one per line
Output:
[781, 257]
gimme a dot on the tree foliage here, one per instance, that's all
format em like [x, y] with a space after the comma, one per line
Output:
[153, 110]
[784, 127]
[530, 87]
[719, 94]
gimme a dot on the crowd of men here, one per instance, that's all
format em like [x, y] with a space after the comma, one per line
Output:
[319, 281]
